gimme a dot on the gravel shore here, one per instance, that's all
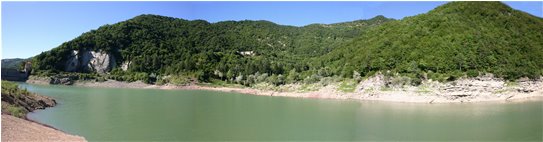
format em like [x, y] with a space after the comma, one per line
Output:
[17, 129]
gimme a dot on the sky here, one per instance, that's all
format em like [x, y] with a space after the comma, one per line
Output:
[29, 28]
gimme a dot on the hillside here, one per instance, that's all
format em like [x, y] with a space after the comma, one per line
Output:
[450, 41]
[152, 44]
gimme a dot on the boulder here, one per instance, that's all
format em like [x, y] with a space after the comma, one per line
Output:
[64, 80]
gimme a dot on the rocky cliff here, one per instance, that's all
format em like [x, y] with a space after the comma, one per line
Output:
[90, 61]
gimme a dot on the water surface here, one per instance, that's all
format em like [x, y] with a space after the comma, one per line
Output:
[101, 114]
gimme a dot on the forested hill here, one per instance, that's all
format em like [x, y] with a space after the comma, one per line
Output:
[166, 45]
[448, 42]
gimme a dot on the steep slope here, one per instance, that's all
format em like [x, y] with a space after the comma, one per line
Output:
[165, 45]
[447, 42]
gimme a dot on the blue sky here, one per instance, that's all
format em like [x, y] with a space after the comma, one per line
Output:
[29, 28]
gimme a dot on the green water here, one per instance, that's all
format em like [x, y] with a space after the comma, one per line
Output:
[164, 115]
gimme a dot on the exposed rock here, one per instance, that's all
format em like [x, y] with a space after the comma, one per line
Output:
[64, 80]
[486, 87]
[90, 61]
[483, 85]
[372, 83]
[97, 62]
[526, 85]
[29, 102]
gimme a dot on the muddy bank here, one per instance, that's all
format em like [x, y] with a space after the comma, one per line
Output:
[480, 89]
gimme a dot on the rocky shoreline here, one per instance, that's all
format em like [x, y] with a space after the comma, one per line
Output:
[480, 89]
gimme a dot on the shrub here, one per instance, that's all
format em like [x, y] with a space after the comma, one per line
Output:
[416, 81]
[347, 86]
[15, 111]
[400, 81]
[356, 76]
[100, 79]
[312, 79]
[472, 73]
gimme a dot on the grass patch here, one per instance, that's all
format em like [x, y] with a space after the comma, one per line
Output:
[13, 110]
[511, 83]
[500, 91]
[423, 89]
[11, 88]
[348, 85]
[309, 87]
[386, 89]
[369, 90]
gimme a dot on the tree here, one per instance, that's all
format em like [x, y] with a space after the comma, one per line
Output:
[292, 76]
[239, 78]
[229, 75]
[356, 76]
[218, 73]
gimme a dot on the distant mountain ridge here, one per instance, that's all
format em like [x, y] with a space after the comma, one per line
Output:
[14, 63]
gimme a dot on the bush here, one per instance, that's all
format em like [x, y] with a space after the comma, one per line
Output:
[416, 81]
[15, 111]
[400, 81]
[356, 76]
[347, 86]
[312, 79]
[179, 80]
[100, 79]
[472, 73]
[327, 80]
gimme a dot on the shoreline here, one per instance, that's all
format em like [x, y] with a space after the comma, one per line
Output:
[22, 129]
[484, 89]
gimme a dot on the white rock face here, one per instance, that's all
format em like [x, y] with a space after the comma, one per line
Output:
[90, 61]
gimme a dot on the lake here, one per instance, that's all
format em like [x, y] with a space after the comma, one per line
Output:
[112, 114]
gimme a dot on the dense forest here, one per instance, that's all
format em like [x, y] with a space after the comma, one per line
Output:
[169, 46]
[455, 39]
[451, 41]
